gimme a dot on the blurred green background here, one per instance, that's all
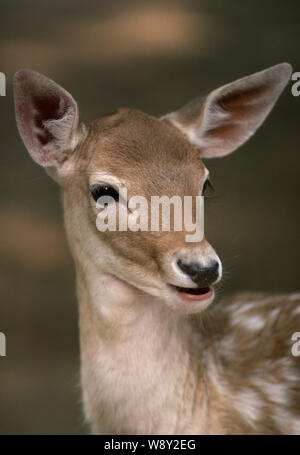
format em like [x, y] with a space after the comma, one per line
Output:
[155, 56]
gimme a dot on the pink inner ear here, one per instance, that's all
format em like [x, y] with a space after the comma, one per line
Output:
[240, 106]
[45, 108]
[244, 104]
[221, 132]
[233, 100]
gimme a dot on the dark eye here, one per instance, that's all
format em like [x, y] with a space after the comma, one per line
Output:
[104, 190]
[208, 189]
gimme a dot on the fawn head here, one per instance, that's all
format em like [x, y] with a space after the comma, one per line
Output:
[148, 156]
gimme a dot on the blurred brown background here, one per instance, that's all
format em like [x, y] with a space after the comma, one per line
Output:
[155, 56]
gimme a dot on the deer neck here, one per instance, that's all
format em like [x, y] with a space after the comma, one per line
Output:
[136, 359]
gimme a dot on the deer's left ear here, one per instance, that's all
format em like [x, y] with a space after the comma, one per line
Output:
[229, 115]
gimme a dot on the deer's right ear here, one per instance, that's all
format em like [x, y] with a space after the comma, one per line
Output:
[47, 119]
[229, 115]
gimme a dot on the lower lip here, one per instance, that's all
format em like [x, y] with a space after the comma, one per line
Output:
[187, 297]
[192, 303]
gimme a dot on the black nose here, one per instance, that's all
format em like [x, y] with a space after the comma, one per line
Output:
[202, 276]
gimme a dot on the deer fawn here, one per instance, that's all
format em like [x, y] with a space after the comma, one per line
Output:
[156, 357]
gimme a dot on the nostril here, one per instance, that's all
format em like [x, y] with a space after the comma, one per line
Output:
[215, 266]
[189, 268]
[210, 274]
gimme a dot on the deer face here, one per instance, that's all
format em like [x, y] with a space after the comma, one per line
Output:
[148, 157]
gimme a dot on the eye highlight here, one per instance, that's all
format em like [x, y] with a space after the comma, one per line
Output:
[208, 189]
[100, 190]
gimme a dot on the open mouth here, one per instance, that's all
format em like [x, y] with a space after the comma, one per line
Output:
[195, 294]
